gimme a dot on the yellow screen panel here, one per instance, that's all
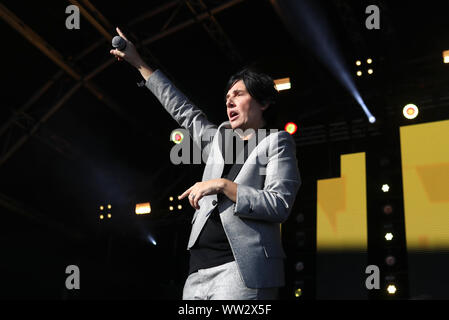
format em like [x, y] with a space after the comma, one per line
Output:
[425, 176]
[341, 207]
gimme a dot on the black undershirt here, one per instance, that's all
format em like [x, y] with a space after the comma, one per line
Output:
[212, 246]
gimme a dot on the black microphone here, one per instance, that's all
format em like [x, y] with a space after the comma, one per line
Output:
[119, 43]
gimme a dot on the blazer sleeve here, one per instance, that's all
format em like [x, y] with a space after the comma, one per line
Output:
[274, 202]
[185, 113]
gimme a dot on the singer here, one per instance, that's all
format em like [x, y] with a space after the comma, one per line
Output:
[235, 243]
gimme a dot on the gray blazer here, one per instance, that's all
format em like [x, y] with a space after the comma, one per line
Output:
[267, 186]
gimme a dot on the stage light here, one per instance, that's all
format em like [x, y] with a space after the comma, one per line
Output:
[389, 236]
[385, 188]
[282, 84]
[170, 208]
[176, 136]
[319, 38]
[298, 292]
[446, 56]
[358, 63]
[101, 207]
[109, 216]
[291, 127]
[410, 111]
[300, 218]
[109, 206]
[143, 208]
[384, 161]
[101, 217]
[387, 209]
[390, 261]
[179, 207]
[299, 266]
[370, 71]
[171, 198]
[369, 61]
[359, 73]
[391, 289]
[152, 240]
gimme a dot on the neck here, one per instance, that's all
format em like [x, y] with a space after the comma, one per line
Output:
[247, 136]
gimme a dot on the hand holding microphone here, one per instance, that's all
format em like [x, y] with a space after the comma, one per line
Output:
[125, 49]
[119, 43]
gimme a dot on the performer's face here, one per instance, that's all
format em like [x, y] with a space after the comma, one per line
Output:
[243, 110]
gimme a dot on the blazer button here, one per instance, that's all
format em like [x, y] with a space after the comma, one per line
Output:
[214, 202]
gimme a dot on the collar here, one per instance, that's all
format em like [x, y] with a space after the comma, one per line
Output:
[227, 125]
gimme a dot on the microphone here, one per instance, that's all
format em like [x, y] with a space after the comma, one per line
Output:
[119, 43]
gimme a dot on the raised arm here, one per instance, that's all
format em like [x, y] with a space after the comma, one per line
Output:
[174, 101]
[132, 56]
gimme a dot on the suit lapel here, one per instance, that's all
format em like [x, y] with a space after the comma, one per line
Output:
[213, 170]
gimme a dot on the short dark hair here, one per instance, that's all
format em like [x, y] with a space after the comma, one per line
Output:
[260, 86]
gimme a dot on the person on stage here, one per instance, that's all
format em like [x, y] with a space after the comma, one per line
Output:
[245, 194]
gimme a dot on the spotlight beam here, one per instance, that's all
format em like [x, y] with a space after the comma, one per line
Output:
[309, 26]
[151, 239]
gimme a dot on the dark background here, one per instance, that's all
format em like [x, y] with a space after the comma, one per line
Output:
[108, 143]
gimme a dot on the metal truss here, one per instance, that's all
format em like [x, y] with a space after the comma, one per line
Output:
[9, 148]
[57, 58]
[21, 126]
[214, 29]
